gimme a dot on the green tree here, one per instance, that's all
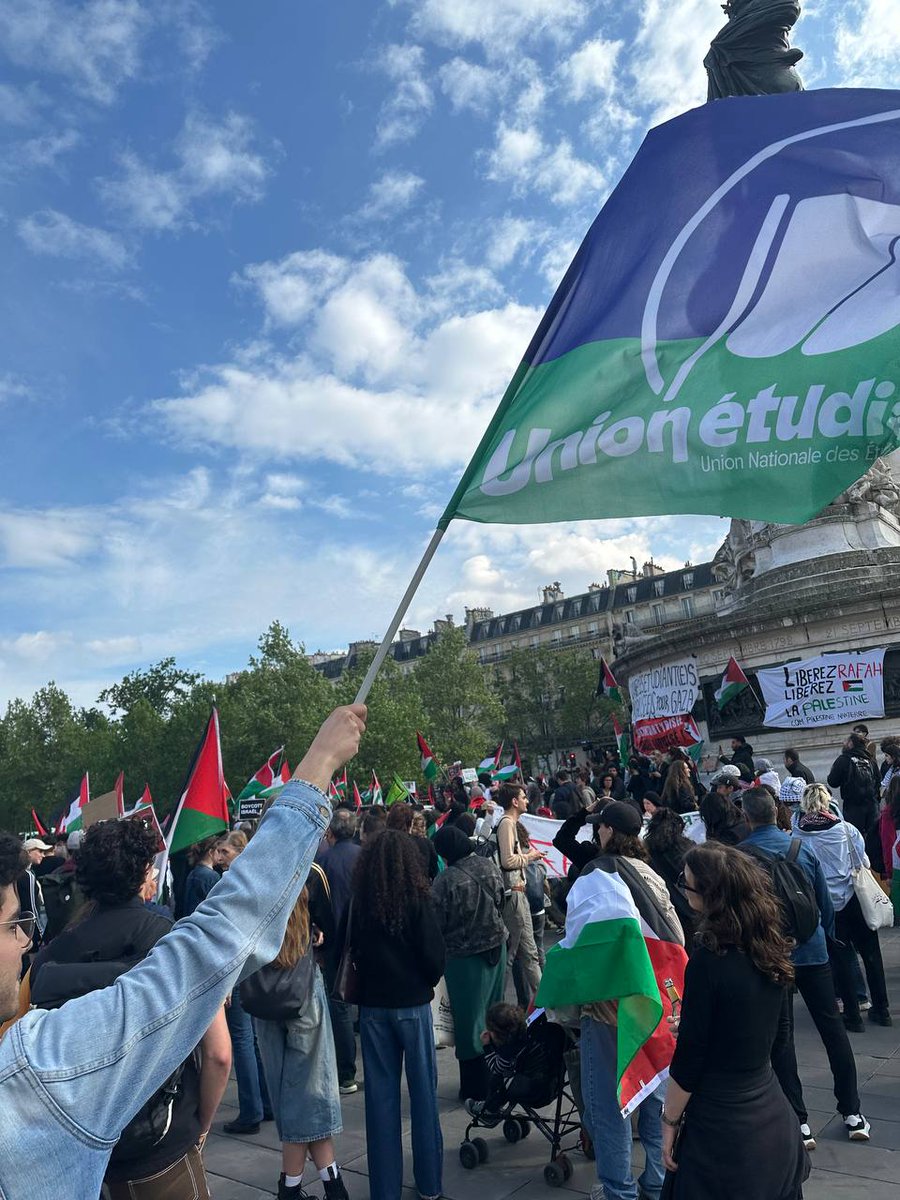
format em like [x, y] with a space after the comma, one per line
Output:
[163, 686]
[395, 713]
[461, 711]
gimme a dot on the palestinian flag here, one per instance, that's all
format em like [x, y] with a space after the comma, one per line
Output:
[340, 787]
[517, 759]
[146, 800]
[504, 773]
[622, 743]
[733, 683]
[357, 798]
[269, 775]
[397, 791]
[71, 819]
[431, 797]
[492, 762]
[39, 825]
[429, 762]
[119, 789]
[203, 808]
[606, 685]
[619, 947]
[376, 794]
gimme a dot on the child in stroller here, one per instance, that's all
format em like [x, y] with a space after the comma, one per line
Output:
[523, 1062]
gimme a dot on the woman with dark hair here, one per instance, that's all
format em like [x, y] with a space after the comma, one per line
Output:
[468, 903]
[722, 1090]
[678, 791]
[202, 878]
[113, 933]
[297, 1051]
[667, 846]
[398, 952]
[723, 819]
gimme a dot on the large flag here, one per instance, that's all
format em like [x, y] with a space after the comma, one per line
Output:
[269, 775]
[203, 808]
[621, 743]
[71, 821]
[607, 685]
[733, 683]
[735, 349]
[397, 791]
[429, 762]
[618, 946]
[119, 789]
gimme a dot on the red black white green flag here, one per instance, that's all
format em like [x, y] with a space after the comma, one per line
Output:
[733, 683]
[607, 685]
[203, 808]
[429, 762]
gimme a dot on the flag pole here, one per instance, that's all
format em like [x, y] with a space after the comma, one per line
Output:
[381, 652]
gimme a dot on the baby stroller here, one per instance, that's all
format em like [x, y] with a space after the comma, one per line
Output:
[553, 1048]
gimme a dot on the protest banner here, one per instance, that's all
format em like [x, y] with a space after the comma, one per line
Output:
[661, 702]
[541, 832]
[827, 690]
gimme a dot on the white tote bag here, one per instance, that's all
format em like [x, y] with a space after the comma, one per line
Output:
[442, 1017]
[877, 909]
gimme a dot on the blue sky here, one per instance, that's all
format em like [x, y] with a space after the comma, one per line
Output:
[267, 270]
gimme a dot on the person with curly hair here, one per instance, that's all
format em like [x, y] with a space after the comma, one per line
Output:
[722, 1090]
[398, 951]
[111, 934]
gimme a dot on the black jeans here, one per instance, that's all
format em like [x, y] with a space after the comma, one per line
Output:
[344, 1039]
[853, 933]
[816, 986]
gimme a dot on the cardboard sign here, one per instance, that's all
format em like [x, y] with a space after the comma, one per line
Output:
[469, 775]
[101, 808]
[251, 809]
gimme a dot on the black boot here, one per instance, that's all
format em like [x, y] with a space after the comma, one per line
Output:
[290, 1193]
[336, 1189]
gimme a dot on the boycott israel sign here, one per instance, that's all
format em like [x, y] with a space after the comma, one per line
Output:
[731, 351]
[661, 702]
[827, 690]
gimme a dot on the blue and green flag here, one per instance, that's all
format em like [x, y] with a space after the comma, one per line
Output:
[726, 338]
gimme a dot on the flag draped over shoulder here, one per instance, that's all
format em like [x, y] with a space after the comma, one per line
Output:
[735, 349]
[203, 808]
[619, 947]
[429, 762]
[733, 683]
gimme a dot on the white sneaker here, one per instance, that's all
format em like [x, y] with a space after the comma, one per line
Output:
[349, 1089]
[857, 1127]
[598, 1192]
[865, 1005]
[808, 1140]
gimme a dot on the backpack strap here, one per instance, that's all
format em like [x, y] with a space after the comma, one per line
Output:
[794, 849]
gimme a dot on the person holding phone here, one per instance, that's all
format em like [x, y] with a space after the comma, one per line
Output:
[722, 1090]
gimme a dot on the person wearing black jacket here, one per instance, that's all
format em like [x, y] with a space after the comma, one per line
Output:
[579, 853]
[667, 846]
[796, 769]
[398, 952]
[855, 773]
[742, 757]
[116, 931]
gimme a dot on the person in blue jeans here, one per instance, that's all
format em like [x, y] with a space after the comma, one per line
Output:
[398, 952]
[71, 1079]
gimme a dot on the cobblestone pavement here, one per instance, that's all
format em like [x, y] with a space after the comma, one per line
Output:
[246, 1168]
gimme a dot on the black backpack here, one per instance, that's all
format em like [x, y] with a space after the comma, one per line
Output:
[792, 888]
[488, 847]
[860, 785]
[63, 899]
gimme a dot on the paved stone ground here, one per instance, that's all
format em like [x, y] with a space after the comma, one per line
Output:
[246, 1168]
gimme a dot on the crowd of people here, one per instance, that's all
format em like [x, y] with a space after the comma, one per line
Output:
[125, 1015]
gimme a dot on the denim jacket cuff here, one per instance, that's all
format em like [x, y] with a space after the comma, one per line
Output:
[308, 799]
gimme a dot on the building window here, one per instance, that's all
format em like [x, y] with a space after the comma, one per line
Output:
[659, 614]
[629, 616]
[535, 641]
[631, 594]
[557, 635]
[592, 627]
[688, 580]
[560, 609]
[659, 586]
[576, 608]
[687, 606]
[595, 602]
[718, 597]
[575, 631]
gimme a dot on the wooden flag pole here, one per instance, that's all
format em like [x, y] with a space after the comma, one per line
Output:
[381, 653]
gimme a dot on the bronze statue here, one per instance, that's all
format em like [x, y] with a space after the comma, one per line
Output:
[752, 55]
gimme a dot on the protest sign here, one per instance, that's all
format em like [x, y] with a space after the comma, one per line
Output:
[661, 702]
[251, 808]
[101, 808]
[826, 690]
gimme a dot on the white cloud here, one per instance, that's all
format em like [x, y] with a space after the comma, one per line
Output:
[468, 85]
[867, 43]
[50, 538]
[667, 61]
[95, 45]
[513, 239]
[54, 234]
[13, 389]
[461, 287]
[498, 26]
[386, 378]
[392, 194]
[213, 158]
[591, 69]
[43, 151]
[20, 105]
[521, 157]
[403, 113]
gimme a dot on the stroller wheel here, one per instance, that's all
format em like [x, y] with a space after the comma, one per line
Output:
[562, 1161]
[524, 1126]
[469, 1156]
[482, 1147]
[512, 1130]
[554, 1174]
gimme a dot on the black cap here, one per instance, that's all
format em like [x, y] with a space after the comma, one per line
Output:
[620, 816]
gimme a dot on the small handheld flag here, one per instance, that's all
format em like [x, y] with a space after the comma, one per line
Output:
[203, 808]
[606, 685]
[357, 798]
[733, 683]
[429, 763]
[492, 762]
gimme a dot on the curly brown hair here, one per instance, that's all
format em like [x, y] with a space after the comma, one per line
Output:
[739, 909]
[388, 881]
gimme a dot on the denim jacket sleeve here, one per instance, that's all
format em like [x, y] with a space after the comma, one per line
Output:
[98, 1059]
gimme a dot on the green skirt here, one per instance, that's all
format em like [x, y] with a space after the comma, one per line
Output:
[473, 985]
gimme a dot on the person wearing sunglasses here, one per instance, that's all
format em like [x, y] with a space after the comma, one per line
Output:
[722, 1090]
[72, 1078]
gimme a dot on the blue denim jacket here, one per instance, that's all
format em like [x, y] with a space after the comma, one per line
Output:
[71, 1079]
[813, 952]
